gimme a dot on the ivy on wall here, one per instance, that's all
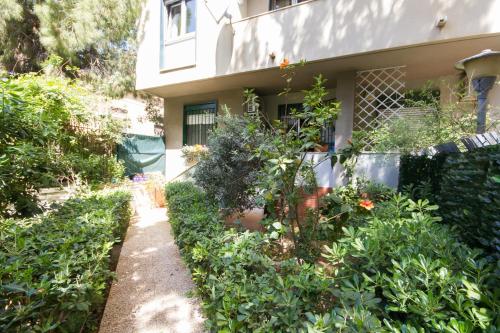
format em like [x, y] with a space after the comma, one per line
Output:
[466, 186]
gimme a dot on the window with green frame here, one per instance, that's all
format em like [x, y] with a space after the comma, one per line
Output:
[198, 121]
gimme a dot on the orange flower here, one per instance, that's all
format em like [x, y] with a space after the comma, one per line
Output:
[366, 204]
[284, 64]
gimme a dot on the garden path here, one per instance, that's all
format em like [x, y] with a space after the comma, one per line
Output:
[149, 294]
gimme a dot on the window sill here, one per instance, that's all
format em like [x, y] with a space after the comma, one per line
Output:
[180, 39]
[173, 69]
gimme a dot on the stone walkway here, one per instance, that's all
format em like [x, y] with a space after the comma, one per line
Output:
[149, 295]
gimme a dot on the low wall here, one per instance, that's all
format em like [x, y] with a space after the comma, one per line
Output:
[376, 167]
[379, 168]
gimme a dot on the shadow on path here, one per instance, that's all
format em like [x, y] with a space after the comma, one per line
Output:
[149, 294]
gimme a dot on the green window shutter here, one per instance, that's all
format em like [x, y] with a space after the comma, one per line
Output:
[198, 121]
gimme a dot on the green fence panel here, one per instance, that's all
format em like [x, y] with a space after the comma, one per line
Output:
[142, 153]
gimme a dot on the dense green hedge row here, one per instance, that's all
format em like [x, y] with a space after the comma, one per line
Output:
[402, 271]
[54, 269]
[467, 188]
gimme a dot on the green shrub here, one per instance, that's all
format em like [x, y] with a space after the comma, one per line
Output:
[401, 271]
[467, 188]
[55, 269]
[228, 173]
[44, 139]
[243, 289]
[421, 275]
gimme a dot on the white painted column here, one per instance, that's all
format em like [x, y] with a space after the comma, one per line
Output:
[343, 127]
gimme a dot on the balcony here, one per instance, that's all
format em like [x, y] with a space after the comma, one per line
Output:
[333, 35]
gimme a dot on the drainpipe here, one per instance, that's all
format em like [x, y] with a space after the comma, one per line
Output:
[482, 69]
[482, 86]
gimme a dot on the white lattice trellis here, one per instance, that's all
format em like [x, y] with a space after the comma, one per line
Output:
[380, 96]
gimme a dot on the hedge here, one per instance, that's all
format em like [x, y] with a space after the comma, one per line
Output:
[402, 271]
[55, 269]
[466, 186]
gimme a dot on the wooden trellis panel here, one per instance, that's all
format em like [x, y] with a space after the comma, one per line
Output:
[380, 96]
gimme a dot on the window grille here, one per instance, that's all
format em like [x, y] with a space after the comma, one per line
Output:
[285, 116]
[199, 120]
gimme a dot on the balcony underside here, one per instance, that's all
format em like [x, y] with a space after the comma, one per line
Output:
[423, 62]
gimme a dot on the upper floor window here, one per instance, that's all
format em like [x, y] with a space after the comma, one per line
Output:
[181, 18]
[277, 4]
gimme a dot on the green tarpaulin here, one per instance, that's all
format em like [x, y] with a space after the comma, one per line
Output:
[142, 153]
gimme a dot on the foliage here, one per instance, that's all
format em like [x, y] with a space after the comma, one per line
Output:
[349, 206]
[41, 142]
[348, 156]
[287, 175]
[420, 176]
[10, 10]
[98, 36]
[194, 153]
[242, 288]
[474, 209]
[412, 273]
[229, 172]
[55, 268]
[20, 47]
[400, 271]
[440, 122]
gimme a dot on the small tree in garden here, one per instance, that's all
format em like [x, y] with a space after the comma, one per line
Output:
[228, 173]
[287, 175]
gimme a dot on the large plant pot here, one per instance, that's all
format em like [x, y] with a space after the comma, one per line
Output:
[249, 219]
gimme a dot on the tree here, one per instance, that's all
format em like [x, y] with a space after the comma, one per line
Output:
[98, 36]
[20, 48]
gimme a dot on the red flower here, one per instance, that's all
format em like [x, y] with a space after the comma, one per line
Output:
[284, 64]
[366, 204]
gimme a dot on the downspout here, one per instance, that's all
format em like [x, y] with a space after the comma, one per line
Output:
[482, 86]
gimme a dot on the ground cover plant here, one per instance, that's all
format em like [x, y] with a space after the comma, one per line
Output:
[398, 270]
[55, 268]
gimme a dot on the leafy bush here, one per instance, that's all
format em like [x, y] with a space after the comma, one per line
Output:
[55, 269]
[399, 272]
[412, 272]
[438, 123]
[229, 171]
[43, 139]
[243, 289]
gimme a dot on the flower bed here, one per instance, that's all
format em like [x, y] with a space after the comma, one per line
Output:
[55, 269]
[397, 270]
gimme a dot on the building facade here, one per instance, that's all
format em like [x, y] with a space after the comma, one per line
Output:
[201, 54]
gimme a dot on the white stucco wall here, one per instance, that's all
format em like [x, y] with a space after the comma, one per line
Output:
[174, 110]
[313, 30]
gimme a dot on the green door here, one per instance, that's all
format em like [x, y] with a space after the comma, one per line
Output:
[198, 121]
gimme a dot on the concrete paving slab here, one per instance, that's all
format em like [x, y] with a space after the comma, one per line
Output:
[150, 293]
